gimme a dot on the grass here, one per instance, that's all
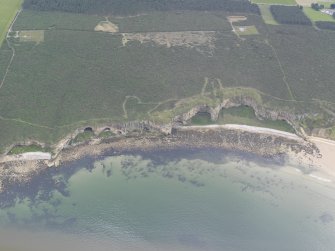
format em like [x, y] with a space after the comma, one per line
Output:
[106, 134]
[82, 137]
[246, 116]
[317, 15]
[275, 2]
[201, 118]
[25, 149]
[8, 11]
[266, 14]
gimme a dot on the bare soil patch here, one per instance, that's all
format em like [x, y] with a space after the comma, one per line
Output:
[235, 19]
[245, 30]
[36, 36]
[190, 39]
[107, 26]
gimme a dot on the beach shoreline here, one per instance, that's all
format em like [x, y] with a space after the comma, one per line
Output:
[312, 153]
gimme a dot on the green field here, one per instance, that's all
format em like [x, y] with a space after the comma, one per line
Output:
[25, 149]
[266, 14]
[275, 2]
[317, 15]
[8, 11]
[66, 76]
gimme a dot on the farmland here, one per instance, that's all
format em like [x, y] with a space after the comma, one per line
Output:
[65, 75]
[8, 11]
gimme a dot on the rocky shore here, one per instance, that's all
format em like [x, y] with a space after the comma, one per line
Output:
[259, 141]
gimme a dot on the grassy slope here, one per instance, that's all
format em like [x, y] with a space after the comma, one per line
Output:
[24, 149]
[8, 11]
[246, 116]
[240, 115]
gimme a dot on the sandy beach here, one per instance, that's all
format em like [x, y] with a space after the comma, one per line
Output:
[326, 161]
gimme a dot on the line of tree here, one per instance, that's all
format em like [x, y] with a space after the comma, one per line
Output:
[121, 7]
[289, 15]
[317, 6]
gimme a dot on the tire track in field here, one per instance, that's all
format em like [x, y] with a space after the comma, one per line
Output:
[27, 123]
[281, 69]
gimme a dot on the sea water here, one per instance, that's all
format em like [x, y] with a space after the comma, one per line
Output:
[170, 200]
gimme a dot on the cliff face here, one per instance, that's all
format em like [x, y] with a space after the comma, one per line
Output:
[260, 111]
[230, 139]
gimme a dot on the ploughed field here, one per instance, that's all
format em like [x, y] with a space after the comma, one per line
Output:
[73, 70]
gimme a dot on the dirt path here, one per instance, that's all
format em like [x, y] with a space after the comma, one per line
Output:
[281, 69]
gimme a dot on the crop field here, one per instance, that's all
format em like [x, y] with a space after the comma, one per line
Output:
[8, 11]
[275, 2]
[289, 15]
[153, 22]
[37, 20]
[76, 77]
[313, 76]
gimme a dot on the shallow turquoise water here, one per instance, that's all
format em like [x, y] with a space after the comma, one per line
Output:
[177, 200]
